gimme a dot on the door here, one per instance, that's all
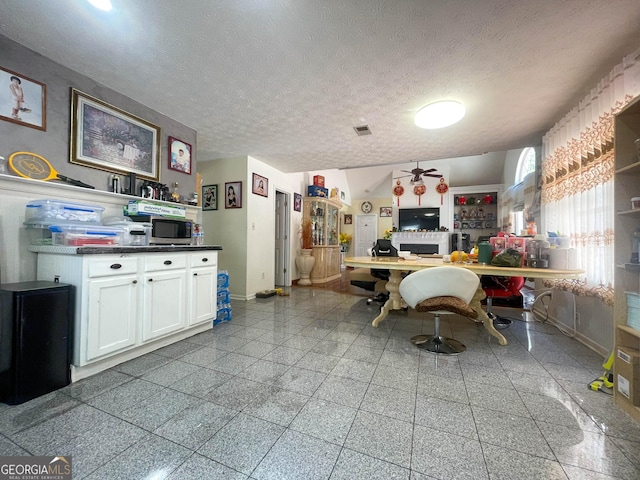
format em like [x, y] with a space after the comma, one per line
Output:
[366, 233]
[282, 238]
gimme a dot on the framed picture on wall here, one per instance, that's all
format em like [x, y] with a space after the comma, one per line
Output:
[22, 100]
[233, 195]
[297, 202]
[179, 155]
[108, 138]
[385, 211]
[348, 219]
[260, 185]
[209, 197]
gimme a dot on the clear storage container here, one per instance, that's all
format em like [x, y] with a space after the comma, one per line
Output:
[133, 233]
[63, 212]
[81, 235]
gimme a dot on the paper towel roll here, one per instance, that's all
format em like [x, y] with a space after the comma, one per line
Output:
[572, 258]
[559, 258]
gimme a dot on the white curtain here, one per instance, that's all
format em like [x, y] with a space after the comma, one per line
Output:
[577, 172]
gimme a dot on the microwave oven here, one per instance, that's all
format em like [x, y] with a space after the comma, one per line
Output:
[167, 230]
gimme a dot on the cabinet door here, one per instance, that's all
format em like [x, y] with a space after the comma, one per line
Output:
[333, 225]
[203, 286]
[112, 315]
[164, 304]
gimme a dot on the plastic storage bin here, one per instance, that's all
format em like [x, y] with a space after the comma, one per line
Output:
[133, 233]
[80, 235]
[50, 210]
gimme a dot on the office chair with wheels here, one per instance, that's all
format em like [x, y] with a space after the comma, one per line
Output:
[440, 291]
[382, 248]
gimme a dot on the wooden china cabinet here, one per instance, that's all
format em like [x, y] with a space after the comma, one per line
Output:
[324, 214]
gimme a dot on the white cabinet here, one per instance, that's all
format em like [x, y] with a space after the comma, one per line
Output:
[131, 304]
[164, 292]
[112, 315]
[203, 285]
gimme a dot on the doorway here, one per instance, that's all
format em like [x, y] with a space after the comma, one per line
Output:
[366, 233]
[282, 253]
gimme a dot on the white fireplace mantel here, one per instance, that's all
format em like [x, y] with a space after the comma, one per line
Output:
[437, 239]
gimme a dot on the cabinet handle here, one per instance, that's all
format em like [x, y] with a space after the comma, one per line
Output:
[116, 266]
[205, 259]
[195, 274]
[134, 282]
[168, 262]
[150, 280]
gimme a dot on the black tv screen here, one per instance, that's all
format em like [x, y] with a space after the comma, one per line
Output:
[419, 219]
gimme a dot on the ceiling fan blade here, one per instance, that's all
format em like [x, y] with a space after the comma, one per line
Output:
[429, 170]
[435, 175]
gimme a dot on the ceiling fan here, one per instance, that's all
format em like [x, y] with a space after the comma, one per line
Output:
[418, 172]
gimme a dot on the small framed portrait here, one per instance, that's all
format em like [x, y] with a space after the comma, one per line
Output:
[297, 202]
[233, 195]
[23, 100]
[348, 219]
[179, 156]
[385, 211]
[260, 185]
[209, 197]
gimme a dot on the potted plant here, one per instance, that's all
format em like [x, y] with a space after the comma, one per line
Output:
[306, 235]
[305, 260]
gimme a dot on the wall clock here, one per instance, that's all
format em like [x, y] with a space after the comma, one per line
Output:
[366, 207]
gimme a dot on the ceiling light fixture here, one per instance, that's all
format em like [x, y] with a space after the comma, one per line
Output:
[101, 4]
[439, 114]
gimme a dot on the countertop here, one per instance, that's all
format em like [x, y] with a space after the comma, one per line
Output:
[64, 250]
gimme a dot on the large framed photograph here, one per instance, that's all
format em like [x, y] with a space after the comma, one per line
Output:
[209, 197]
[108, 138]
[260, 185]
[179, 155]
[22, 100]
[385, 211]
[233, 195]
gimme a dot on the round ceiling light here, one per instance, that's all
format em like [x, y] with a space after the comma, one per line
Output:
[101, 4]
[439, 114]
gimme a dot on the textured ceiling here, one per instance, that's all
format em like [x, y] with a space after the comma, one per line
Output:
[285, 81]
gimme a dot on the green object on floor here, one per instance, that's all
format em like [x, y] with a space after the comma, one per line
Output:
[604, 383]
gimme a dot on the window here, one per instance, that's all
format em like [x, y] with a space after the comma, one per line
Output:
[526, 165]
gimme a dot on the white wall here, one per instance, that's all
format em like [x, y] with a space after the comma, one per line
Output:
[261, 226]
[227, 226]
[247, 234]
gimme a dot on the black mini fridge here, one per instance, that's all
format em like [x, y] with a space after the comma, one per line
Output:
[36, 329]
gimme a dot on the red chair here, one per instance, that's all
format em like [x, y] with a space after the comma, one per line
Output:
[507, 291]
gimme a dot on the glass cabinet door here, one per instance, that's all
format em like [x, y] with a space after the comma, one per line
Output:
[317, 216]
[332, 225]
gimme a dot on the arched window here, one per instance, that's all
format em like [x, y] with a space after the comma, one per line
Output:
[526, 164]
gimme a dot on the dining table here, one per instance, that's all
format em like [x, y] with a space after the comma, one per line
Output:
[398, 265]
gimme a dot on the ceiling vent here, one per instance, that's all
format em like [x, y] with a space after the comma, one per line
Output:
[362, 130]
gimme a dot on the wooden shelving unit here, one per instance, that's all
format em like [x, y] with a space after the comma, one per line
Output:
[627, 221]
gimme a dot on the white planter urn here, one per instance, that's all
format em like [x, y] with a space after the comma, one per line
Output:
[305, 262]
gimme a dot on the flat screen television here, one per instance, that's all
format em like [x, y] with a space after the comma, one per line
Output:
[418, 219]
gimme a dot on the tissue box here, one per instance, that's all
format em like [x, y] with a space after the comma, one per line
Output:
[315, 191]
[627, 378]
[143, 207]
